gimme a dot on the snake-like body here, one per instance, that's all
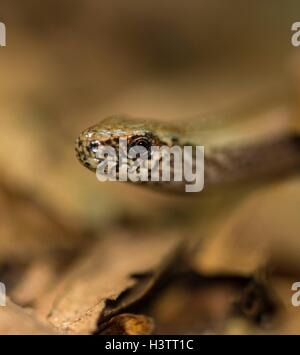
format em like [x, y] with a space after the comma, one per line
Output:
[249, 143]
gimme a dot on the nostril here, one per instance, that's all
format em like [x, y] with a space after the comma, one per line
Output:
[93, 146]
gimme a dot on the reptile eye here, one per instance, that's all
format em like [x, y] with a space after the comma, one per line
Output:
[93, 146]
[140, 142]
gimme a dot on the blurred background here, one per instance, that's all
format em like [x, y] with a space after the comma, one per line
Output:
[68, 64]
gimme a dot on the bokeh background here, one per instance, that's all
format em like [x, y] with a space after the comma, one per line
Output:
[67, 64]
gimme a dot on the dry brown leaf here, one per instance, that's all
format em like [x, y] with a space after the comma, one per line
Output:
[15, 320]
[127, 324]
[116, 272]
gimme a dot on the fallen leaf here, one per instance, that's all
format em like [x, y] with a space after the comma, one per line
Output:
[127, 324]
[14, 320]
[115, 273]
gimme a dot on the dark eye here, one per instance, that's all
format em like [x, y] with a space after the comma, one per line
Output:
[93, 146]
[140, 142]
